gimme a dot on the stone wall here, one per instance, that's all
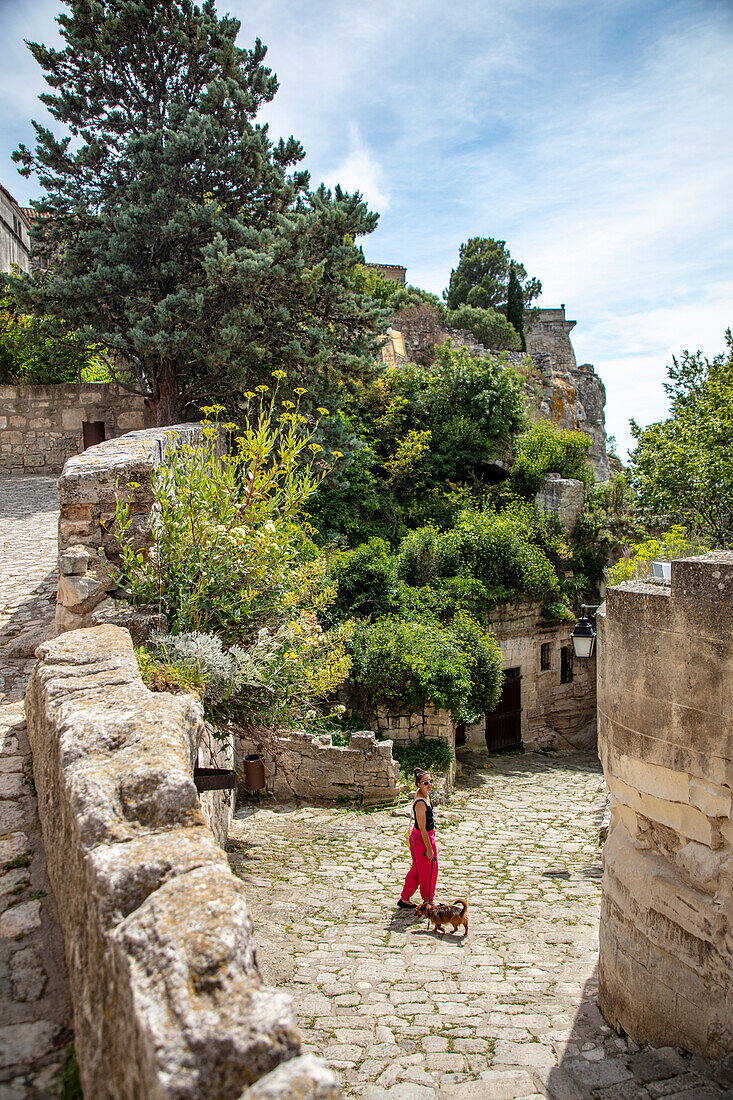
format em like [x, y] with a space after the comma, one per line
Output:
[168, 1001]
[88, 490]
[40, 426]
[666, 743]
[555, 715]
[300, 765]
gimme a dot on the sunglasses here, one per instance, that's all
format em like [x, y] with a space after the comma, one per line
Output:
[426, 782]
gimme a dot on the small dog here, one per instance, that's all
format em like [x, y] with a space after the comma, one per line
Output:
[454, 915]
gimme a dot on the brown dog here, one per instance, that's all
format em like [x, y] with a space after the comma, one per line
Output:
[443, 915]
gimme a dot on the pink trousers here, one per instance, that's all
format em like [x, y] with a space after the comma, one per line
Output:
[423, 872]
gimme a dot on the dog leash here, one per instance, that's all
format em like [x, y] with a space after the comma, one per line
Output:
[430, 886]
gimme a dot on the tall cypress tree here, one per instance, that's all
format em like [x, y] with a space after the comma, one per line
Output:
[178, 235]
[515, 306]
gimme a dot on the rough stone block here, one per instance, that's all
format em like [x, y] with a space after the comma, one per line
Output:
[74, 561]
[303, 1078]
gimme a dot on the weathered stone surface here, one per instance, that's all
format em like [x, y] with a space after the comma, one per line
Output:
[36, 1013]
[564, 497]
[303, 1078]
[167, 998]
[22, 1043]
[88, 490]
[21, 919]
[666, 743]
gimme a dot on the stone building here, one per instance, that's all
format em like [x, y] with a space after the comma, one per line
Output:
[15, 241]
[395, 272]
[665, 732]
[549, 698]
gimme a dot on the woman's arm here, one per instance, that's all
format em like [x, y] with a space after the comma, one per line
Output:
[420, 821]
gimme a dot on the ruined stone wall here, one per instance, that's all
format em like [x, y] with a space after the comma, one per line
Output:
[301, 765]
[40, 426]
[665, 719]
[555, 715]
[168, 1001]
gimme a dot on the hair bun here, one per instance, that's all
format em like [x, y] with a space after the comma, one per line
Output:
[419, 773]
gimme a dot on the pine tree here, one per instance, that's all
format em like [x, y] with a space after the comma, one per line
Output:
[179, 235]
[515, 306]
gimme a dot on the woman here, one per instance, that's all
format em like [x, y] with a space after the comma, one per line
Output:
[424, 870]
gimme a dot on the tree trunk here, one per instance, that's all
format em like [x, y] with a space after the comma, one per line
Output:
[165, 401]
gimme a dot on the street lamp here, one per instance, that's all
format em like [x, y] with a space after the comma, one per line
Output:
[583, 636]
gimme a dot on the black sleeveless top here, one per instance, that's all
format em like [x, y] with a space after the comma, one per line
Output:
[429, 819]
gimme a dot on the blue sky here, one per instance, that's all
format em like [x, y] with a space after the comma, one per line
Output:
[594, 138]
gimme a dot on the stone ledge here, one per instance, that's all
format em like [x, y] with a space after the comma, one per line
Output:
[168, 1001]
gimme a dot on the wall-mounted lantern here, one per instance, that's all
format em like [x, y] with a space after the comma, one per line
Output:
[583, 637]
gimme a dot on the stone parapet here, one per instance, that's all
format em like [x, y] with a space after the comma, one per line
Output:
[168, 1001]
[665, 725]
[41, 426]
[298, 764]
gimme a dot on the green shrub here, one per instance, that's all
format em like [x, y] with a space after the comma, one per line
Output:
[367, 581]
[484, 392]
[487, 326]
[419, 558]
[456, 667]
[494, 548]
[227, 544]
[431, 753]
[546, 449]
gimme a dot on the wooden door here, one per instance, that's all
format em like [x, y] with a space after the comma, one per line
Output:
[504, 724]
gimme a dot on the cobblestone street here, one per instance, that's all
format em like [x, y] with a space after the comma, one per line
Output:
[510, 1012]
[34, 1026]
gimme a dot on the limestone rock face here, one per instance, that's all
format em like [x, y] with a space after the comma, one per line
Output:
[168, 1002]
[564, 497]
[665, 660]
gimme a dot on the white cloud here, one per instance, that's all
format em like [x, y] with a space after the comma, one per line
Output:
[361, 171]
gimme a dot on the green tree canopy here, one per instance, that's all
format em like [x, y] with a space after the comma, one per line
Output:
[43, 350]
[682, 467]
[179, 235]
[482, 276]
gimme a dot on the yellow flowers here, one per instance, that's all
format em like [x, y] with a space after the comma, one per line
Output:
[337, 454]
[315, 447]
[323, 412]
[279, 374]
[263, 389]
[300, 391]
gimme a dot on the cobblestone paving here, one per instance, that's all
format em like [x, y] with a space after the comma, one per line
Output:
[34, 1023]
[508, 1013]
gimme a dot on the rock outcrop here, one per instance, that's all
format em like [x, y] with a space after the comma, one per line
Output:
[573, 397]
